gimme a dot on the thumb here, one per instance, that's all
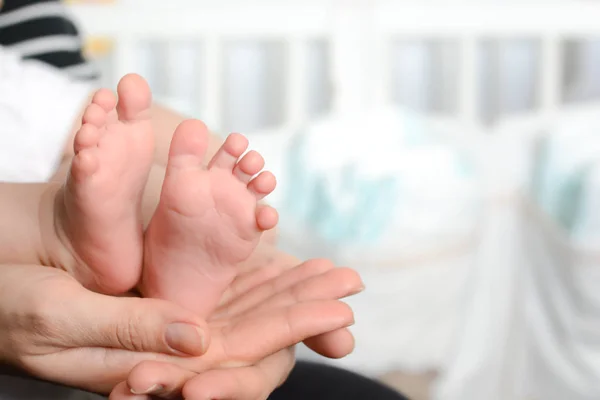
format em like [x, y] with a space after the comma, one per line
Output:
[135, 324]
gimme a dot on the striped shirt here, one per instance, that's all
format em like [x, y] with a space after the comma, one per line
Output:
[42, 30]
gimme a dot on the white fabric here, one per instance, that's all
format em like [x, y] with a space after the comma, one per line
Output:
[38, 107]
[512, 315]
[415, 267]
[407, 318]
[404, 180]
[487, 359]
[531, 327]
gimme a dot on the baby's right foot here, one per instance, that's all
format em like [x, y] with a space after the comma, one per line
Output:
[207, 220]
[98, 210]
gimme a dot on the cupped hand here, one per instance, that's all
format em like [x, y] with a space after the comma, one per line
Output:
[259, 290]
[55, 329]
[256, 280]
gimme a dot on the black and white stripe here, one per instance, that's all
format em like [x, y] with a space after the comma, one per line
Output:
[42, 30]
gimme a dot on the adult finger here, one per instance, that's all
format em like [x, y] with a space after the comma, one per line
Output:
[255, 382]
[274, 286]
[334, 284]
[275, 329]
[245, 282]
[122, 392]
[135, 324]
[336, 344]
[265, 257]
[159, 379]
[169, 381]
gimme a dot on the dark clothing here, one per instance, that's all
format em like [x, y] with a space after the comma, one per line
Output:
[308, 381]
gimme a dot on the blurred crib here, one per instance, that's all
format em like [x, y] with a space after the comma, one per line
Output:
[494, 77]
[359, 48]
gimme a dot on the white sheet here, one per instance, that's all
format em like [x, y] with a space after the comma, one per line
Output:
[38, 107]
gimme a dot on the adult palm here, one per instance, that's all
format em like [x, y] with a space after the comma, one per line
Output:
[57, 330]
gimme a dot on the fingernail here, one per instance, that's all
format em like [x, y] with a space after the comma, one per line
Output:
[358, 290]
[138, 397]
[185, 338]
[154, 389]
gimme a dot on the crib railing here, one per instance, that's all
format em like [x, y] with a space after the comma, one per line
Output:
[549, 22]
[359, 34]
[211, 25]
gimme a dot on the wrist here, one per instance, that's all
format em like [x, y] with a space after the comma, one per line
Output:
[54, 249]
[20, 217]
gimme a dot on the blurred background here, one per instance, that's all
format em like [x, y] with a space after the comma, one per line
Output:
[448, 150]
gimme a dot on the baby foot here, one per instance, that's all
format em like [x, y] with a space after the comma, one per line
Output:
[98, 210]
[207, 220]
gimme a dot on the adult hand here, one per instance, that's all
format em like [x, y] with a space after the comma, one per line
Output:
[269, 262]
[53, 328]
[259, 290]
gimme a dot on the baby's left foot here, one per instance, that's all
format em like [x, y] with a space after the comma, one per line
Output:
[98, 209]
[207, 220]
